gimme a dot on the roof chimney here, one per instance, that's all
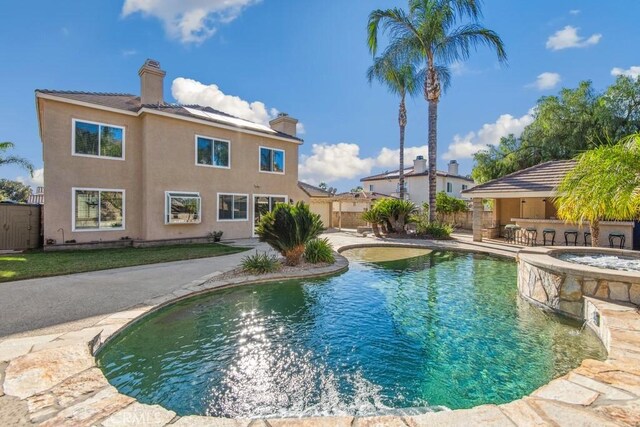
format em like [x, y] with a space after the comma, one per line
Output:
[453, 167]
[151, 82]
[420, 165]
[285, 124]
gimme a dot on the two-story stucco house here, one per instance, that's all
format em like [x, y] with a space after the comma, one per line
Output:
[417, 182]
[125, 166]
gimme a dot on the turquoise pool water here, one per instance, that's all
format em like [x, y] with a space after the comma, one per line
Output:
[442, 329]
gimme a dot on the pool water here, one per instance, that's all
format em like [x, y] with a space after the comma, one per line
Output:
[440, 329]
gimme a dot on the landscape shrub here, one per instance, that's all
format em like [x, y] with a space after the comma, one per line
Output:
[319, 250]
[433, 230]
[260, 263]
[288, 228]
[393, 214]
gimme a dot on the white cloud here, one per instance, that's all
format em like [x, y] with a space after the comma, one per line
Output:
[331, 162]
[545, 81]
[633, 71]
[129, 52]
[300, 128]
[574, 11]
[568, 37]
[36, 181]
[390, 158]
[190, 21]
[489, 134]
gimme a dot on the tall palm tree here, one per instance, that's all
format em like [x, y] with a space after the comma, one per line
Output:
[401, 79]
[13, 160]
[433, 33]
[603, 185]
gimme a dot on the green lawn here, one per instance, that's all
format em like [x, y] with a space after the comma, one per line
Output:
[32, 264]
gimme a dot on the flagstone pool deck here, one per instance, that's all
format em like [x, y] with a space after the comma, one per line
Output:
[49, 376]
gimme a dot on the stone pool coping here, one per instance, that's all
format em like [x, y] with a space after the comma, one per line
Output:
[55, 378]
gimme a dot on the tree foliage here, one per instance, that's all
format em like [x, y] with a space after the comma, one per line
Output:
[564, 126]
[446, 204]
[14, 190]
[433, 34]
[604, 185]
[13, 160]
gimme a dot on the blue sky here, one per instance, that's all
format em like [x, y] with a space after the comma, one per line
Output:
[308, 59]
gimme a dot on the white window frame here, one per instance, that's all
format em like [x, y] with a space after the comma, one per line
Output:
[464, 187]
[284, 160]
[371, 187]
[253, 208]
[449, 184]
[234, 203]
[213, 141]
[106, 190]
[73, 140]
[188, 194]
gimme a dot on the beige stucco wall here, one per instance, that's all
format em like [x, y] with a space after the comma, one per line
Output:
[159, 157]
[323, 208]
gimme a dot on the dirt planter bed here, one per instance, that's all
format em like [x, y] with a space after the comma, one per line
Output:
[54, 380]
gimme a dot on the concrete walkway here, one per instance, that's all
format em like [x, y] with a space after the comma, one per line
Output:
[52, 302]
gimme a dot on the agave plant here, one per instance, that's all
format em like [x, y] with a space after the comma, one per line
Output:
[288, 228]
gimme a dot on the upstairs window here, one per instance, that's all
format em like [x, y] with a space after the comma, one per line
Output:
[182, 208]
[98, 210]
[449, 187]
[464, 186]
[98, 140]
[212, 152]
[371, 187]
[271, 160]
[232, 207]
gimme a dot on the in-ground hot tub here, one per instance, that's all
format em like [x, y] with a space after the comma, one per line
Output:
[606, 261]
[561, 278]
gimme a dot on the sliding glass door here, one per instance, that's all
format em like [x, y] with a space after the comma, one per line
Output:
[262, 204]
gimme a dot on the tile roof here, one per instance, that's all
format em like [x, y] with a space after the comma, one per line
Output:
[131, 103]
[408, 172]
[313, 191]
[544, 177]
[364, 195]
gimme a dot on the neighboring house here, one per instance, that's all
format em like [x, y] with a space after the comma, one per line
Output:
[319, 201]
[526, 198]
[121, 165]
[36, 198]
[417, 182]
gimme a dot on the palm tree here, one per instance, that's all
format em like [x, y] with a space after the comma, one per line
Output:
[13, 160]
[431, 33]
[603, 185]
[401, 79]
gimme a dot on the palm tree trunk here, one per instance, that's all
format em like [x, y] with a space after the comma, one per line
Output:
[402, 121]
[433, 147]
[594, 227]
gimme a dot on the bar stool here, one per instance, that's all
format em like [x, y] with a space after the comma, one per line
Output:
[573, 233]
[587, 235]
[550, 231]
[531, 235]
[510, 233]
[615, 235]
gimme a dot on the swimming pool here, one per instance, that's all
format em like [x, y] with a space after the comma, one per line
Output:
[438, 329]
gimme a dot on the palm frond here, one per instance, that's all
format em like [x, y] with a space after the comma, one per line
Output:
[458, 45]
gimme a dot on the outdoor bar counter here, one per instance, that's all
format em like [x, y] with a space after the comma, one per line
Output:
[560, 227]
